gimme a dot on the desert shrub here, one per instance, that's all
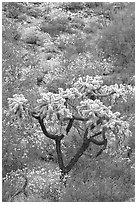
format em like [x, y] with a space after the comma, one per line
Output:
[57, 22]
[13, 9]
[73, 6]
[100, 181]
[58, 16]
[35, 12]
[97, 190]
[76, 22]
[93, 4]
[31, 35]
[92, 27]
[118, 39]
[77, 45]
[52, 28]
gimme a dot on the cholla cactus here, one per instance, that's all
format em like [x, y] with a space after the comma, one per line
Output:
[17, 102]
[18, 107]
[83, 104]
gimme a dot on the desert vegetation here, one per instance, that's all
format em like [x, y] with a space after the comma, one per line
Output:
[68, 101]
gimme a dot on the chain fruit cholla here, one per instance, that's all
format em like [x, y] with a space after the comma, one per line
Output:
[88, 103]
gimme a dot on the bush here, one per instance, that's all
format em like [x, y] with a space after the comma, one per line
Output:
[13, 9]
[35, 12]
[73, 6]
[31, 35]
[106, 181]
[93, 4]
[118, 39]
[97, 190]
[52, 28]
